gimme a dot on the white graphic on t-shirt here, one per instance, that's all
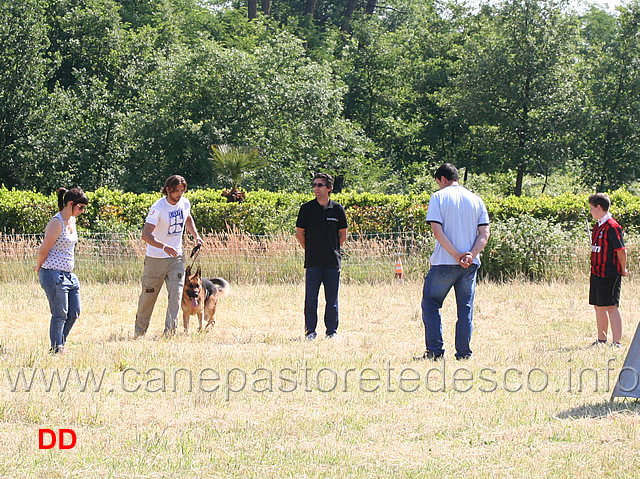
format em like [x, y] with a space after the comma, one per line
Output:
[176, 223]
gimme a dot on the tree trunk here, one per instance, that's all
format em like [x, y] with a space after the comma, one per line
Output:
[523, 136]
[253, 9]
[310, 7]
[522, 163]
[520, 178]
[348, 15]
[371, 6]
[266, 7]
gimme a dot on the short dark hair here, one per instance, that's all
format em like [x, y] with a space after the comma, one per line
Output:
[600, 199]
[447, 170]
[172, 183]
[74, 194]
[328, 180]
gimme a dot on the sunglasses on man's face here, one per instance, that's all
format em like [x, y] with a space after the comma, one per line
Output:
[318, 185]
[80, 206]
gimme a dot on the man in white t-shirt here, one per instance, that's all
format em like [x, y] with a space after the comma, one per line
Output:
[460, 224]
[164, 261]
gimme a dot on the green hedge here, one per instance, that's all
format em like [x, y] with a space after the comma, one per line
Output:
[25, 211]
[272, 213]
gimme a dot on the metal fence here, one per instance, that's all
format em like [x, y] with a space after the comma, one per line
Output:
[235, 256]
[246, 258]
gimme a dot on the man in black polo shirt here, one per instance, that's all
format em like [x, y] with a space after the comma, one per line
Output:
[321, 229]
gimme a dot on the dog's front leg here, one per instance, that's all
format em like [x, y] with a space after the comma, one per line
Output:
[185, 321]
[200, 318]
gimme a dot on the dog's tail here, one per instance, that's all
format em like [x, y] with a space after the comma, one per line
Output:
[222, 285]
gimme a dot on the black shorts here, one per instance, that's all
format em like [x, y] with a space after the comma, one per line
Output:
[605, 291]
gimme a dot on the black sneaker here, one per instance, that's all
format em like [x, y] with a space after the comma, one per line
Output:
[430, 356]
[311, 336]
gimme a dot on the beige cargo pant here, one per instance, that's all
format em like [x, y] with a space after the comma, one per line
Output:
[169, 271]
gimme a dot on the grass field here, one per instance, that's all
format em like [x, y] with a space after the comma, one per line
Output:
[527, 404]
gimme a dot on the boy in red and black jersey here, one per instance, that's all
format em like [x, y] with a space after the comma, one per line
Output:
[608, 265]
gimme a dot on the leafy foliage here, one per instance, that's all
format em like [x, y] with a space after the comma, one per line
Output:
[24, 70]
[512, 87]
[266, 212]
[123, 93]
[528, 247]
[232, 163]
[25, 211]
[613, 72]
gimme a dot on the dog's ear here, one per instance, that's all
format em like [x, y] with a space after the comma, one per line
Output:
[187, 272]
[198, 272]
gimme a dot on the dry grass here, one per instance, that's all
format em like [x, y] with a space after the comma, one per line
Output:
[344, 433]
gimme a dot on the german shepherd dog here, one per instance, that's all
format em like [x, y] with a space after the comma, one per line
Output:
[200, 296]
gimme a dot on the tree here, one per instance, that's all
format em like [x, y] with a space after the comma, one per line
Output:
[83, 34]
[233, 163]
[515, 87]
[395, 69]
[310, 6]
[372, 60]
[612, 52]
[81, 137]
[23, 43]
[78, 142]
[348, 15]
[266, 7]
[371, 6]
[274, 98]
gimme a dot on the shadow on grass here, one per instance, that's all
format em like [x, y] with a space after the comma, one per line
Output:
[603, 409]
[197, 336]
[588, 347]
[120, 337]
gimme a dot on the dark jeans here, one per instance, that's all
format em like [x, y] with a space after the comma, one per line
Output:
[437, 285]
[330, 278]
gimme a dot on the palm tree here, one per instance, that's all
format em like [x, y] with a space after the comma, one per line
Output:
[232, 163]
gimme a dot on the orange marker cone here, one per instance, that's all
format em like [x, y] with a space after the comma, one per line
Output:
[399, 269]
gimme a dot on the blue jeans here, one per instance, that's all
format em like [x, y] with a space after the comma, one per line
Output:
[63, 292]
[437, 285]
[314, 277]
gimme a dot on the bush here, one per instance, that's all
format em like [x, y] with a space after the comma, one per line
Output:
[25, 212]
[532, 248]
[113, 211]
[265, 212]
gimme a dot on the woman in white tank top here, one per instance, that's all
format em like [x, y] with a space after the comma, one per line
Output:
[55, 263]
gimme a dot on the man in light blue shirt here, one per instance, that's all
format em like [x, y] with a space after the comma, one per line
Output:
[460, 224]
